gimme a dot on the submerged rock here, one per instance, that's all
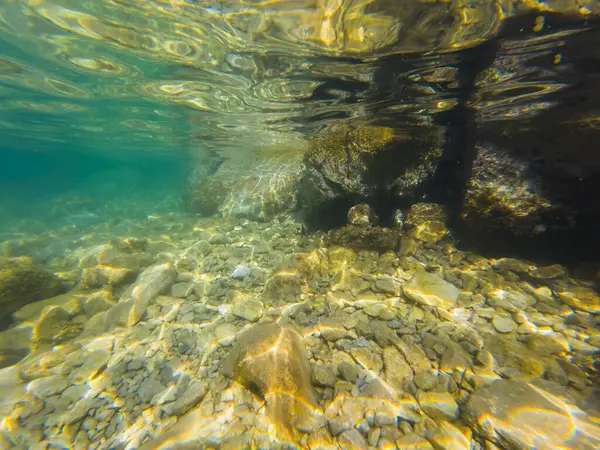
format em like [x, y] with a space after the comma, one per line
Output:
[364, 238]
[32, 312]
[270, 360]
[15, 343]
[504, 194]
[431, 290]
[112, 267]
[438, 405]
[512, 354]
[426, 222]
[413, 441]
[366, 161]
[546, 344]
[283, 288]
[130, 244]
[153, 281]
[581, 298]
[518, 414]
[446, 437]
[22, 282]
[246, 186]
[133, 304]
[241, 272]
[250, 309]
[361, 215]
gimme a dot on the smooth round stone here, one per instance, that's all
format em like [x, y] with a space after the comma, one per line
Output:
[520, 317]
[241, 272]
[486, 313]
[503, 323]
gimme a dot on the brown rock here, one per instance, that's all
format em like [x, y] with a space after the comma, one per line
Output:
[426, 222]
[22, 282]
[283, 288]
[360, 215]
[364, 238]
[517, 414]
[270, 360]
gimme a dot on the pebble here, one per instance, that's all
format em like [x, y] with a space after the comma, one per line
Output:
[181, 290]
[241, 272]
[360, 347]
[323, 376]
[438, 405]
[338, 425]
[503, 323]
[447, 437]
[250, 309]
[332, 330]
[431, 290]
[386, 285]
[47, 386]
[349, 371]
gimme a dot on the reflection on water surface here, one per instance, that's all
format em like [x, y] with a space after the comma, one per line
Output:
[299, 224]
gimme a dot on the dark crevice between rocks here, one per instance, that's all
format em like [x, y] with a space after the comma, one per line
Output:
[328, 215]
[455, 166]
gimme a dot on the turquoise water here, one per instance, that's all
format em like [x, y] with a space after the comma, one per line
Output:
[299, 224]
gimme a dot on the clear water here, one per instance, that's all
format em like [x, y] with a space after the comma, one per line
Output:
[172, 277]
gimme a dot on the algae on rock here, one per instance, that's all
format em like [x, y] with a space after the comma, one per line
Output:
[366, 161]
[22, 282]
[364, 238]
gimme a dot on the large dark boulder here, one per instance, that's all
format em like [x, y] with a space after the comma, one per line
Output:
[351, 164]
[22, 282]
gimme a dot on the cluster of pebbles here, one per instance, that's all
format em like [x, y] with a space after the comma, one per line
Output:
[213, 333]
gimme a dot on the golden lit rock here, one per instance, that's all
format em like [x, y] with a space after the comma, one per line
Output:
[538, 414]
[426, 222]
[431, 290]
[271, 362]
[581, 298]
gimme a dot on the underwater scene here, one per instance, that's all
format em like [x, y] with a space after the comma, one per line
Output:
[300, 224]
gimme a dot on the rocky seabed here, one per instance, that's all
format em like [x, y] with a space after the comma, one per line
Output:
[236, 334]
